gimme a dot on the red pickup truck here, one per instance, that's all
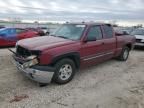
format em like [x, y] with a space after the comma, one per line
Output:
[73, 46]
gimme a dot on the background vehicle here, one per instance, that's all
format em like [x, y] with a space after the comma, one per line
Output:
[44, 29]
[72, 46]
[9, 36]
[124, 30]
[139, 34]
[38, 30]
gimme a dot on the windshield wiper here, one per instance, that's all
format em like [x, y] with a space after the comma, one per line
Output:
[59, 36]
[52, 35]
[63, 37]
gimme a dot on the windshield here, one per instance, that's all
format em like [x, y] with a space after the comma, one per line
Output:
[138, 32]
[70, 31]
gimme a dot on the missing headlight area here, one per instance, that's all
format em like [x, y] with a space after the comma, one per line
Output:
[25, 57]
[23, 52]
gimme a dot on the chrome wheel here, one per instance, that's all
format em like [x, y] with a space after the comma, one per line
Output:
[65, 72]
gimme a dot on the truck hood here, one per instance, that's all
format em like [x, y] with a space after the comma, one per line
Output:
[42, 43]
[139, 36]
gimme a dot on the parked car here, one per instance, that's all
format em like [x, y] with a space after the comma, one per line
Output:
[73, 46]
[38, 30]
[44, 29]
[139, 34]
[9, 36]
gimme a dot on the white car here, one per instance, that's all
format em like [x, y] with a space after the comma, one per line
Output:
[139, 34]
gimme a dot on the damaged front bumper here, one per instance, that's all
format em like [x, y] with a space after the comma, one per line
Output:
[41, 74]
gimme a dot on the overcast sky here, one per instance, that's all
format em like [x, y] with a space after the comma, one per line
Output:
[72, 9]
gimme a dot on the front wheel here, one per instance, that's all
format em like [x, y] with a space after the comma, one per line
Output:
[65, 71]
[124, 54]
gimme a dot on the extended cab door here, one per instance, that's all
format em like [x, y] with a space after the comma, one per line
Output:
[109, 41]
[93, 48]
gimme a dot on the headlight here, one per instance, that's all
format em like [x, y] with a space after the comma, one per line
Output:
[32, 61]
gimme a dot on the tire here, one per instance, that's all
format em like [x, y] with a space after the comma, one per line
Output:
[124, 54]
[65, 71]
[47, 33]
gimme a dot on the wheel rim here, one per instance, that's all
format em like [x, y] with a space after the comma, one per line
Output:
[65, 72]
[125, 55]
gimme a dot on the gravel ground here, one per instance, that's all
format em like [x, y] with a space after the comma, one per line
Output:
[112, 84]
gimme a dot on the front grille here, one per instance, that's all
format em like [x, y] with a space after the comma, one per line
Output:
[23, 52]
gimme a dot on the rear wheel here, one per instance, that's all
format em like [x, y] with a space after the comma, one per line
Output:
[124, 54]
[65, 71]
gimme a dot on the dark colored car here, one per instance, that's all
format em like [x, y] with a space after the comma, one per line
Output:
[9, 36]
[73, 46]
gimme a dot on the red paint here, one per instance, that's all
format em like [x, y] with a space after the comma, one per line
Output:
[26, 34]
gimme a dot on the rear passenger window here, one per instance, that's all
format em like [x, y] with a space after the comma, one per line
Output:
[94, 32]
[108, 31]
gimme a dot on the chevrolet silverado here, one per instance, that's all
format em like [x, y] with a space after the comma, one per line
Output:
[72, 46]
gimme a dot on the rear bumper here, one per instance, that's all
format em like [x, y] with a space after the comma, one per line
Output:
[41, 74]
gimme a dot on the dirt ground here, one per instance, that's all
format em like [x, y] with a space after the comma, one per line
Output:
[112, 84]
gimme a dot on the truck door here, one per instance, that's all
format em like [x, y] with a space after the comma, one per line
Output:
[109, 41]
[92, 50]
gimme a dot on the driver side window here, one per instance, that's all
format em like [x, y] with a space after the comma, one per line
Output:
[94, 33]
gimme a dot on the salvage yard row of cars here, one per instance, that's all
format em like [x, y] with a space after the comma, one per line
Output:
[9, 36]
[73, 46]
